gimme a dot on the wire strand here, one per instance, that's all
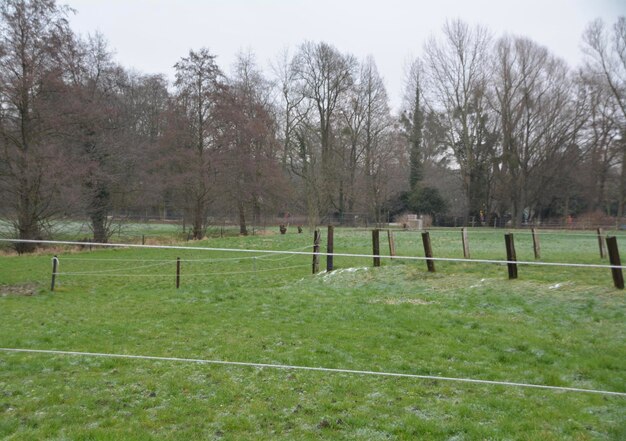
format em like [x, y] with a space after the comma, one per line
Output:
[108, 271]
[209, 274]
[317, 369]
[369, 256]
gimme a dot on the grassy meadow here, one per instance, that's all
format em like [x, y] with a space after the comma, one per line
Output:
[554, 326]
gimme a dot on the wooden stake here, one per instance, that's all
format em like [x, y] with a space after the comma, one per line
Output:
[329, 248]
[618, 276]
[510, 255]
[376, 246]
[55, 267]
[392, 243]
[316, 249]
[536, 244]
[177, 272]
[601, 244]
[428, 252]
[466, 252]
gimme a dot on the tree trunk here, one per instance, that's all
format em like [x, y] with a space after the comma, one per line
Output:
[242, 220]
[256, 212]
[98, 210]
[98, 224]
[198, 219]
[622, 183]
[27, 226]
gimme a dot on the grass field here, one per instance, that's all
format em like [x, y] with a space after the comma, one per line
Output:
[554, 326]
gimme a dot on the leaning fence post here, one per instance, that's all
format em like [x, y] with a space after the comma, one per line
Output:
[376, 246]
[55, 267]
[466, 252]
[510, 256]
[177, 272]
[316, 250]
[616, 270]
[329, 248]
[392, 243]
[428, 252]
[601, 244]
[536, 244]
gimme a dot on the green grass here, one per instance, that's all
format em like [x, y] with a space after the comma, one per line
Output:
[552, 326]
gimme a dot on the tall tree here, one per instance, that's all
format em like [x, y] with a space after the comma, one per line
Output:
[97, 112]
[247, 159]
[605, 50]
[289, 114]
[299, 153]
[538, 119]
[457, 74]
[197, 83]
[413, 122]
[33, 35]
[377, 123]
[326, 76]
[600, 139]
[147, 102]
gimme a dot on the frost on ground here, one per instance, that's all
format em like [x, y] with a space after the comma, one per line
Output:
[478, 284]
[559, 285]
[400, 301]
[326, 276]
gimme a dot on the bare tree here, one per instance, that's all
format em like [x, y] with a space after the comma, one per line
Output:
[147, 101]
[247, 159]
[538, 120]
[605, 51]
[289, 114]
[32, 36]
[351, 142]
[299, 154]
[377, 123]
[99, 118]
[600, 139]
[197, 83]
[457, 81]
[326, 76]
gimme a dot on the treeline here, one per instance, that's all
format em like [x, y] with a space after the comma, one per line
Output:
[489, 128]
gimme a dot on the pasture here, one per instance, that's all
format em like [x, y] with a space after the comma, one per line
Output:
[554, 326]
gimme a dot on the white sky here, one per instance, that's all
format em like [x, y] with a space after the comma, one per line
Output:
[151, 35]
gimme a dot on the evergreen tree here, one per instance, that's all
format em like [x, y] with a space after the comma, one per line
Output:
[415, 141]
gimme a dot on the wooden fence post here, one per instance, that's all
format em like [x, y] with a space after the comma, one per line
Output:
[618, 276]
[55, 267]
[316, 249]
[536, 244]
[601, 244]
[510, 255]
[466, 251]
[329, 248]
[177, 272]
[428, 252]
[376, 246]
[392, 243]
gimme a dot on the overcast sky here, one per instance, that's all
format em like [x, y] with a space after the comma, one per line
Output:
[151, 35]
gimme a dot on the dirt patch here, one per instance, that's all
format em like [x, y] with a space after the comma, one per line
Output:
[25, 289]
